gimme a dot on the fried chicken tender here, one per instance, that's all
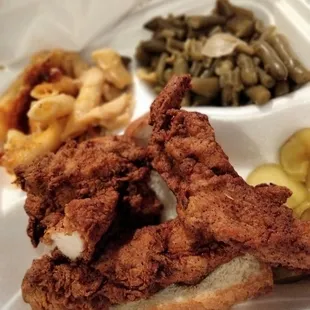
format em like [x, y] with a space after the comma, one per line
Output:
[129, 269]
[73, 195]
[55, 284]
[212, 198]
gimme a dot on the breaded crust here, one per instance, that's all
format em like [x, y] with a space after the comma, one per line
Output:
[241, 279]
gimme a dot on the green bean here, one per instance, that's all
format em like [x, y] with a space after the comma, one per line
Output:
[142, 56]
[177, 21]
[165, 24]
[194, 34]
[235, 99]
[224, 8]
[180, 65]
[236, 80]
[265, 79]
[154, 46]
[247, 69]
[243, 12]
[186, 101]
[214, 30]
[272, 63]
[245, 48]
[164, 34]
[196, 68]
[199, 100]
[208, 87]
[226, 79]
[168, 73]
[192, 49]
[297, 72]
[161, 68]
[232, 78]
[223, 66]
[201, 22]
[268, 31]
[175, 44]
[152, 24]
[206, 73]
[158, 23]
[259, 94]
[207, 62]
[281, 88]
[240, 26]
[227, 96]
[179, 33]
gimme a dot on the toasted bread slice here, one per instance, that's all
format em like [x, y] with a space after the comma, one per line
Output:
[242, 278]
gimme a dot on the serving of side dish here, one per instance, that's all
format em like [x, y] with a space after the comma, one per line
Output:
[287, 19]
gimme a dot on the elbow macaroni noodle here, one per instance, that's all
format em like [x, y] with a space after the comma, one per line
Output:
[74, 97]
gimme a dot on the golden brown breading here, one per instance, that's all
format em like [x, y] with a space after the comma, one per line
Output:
[77, 190]
[129, 268]
[141, 204]
[55, 284]
[212, 198]
[88, 219]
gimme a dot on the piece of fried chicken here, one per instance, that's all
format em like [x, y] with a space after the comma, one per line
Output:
[212, 198]
[73, 195]
[130, 268]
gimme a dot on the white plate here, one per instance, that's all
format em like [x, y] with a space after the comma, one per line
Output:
[249, 135]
